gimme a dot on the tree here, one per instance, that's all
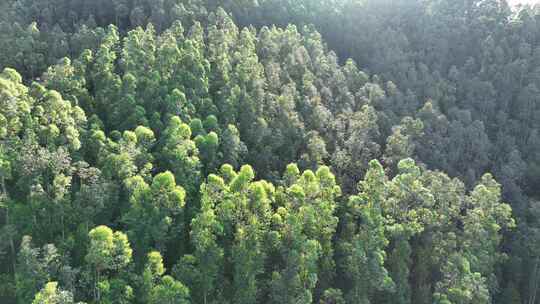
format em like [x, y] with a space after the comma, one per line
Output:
[232, 148]
[35, 267]
[460, 285]
[361, 248]
[355, 143]
[51, 294]
[208, 145]
[482, 225]
[180, 154]
[169, 292]
[108, 251]
[401, 144]
[332, 296]
[152, 273]
[103, 78]
[304, 225]
[157, 288]
[202, 270]
[156, 212]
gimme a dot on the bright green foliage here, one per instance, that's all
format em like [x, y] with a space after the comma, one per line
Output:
[304, 225]
[180, 154]
[153, 270]
[460, 285]
[201, 270]
[12, 88]
[208, 145]
[154, 265]
[156, 212]
[295, 281]
[408, 208]
[69, 78]
[157, 288]
[426, 209]
[169, 291]
[51, 294]
[484, 220]
[127, 156]
[109, 251]
[115, 291]
[245, 214]
[37, 112]
[241, 210]
[363, 240]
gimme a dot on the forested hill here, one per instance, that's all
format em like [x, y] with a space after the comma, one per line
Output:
[271, 151]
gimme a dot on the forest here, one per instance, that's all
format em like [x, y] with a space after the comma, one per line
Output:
[269, 151]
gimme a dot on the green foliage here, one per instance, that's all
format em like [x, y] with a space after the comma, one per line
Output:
[169, 291]
[179, 153]
[156, 211]
[108, 250]
[363, 241]
[461, 285]
[50, 294]
[239, 156]
[34, 269]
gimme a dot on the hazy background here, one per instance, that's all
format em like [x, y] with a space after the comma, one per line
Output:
[513, 2]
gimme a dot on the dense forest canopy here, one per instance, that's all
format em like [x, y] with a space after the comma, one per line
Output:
[271, 151]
